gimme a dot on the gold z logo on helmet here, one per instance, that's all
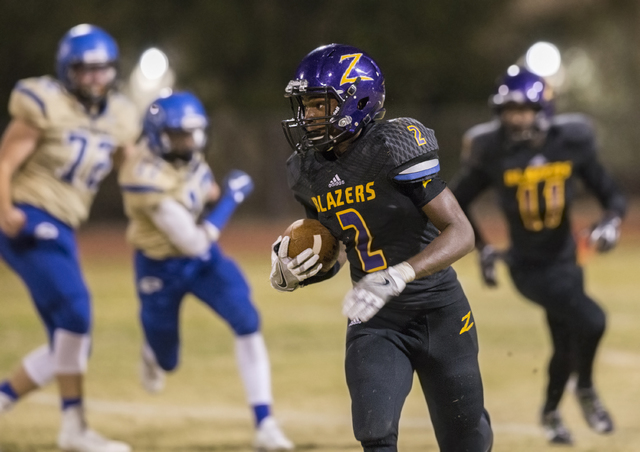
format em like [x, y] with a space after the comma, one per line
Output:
[345, 77]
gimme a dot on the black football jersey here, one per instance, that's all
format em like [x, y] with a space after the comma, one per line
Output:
[535, 185]
[371, 199]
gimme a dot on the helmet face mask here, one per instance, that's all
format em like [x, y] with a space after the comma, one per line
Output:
[92, 82]
[519, 121]
[350, 86]
[315, 115]
[182, 144]
[176, 127]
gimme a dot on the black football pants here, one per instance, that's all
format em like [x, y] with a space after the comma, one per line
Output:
[576, 322]
[441, 345]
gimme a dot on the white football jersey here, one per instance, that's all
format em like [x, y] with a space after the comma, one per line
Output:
[145, 180]
[75, 150]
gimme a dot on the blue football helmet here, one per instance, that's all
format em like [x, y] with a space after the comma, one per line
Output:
[339, 72]
[90, 47]
[175, 126]
[522, 87]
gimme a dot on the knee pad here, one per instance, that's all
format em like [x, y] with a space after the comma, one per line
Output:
[70, 352]
[39, 365]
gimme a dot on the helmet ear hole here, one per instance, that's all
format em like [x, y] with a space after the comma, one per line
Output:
[363, 103]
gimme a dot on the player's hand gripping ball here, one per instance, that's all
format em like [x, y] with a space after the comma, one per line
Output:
[308, 233]
[305, 249]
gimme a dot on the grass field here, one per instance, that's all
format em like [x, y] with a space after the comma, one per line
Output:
[203, 407]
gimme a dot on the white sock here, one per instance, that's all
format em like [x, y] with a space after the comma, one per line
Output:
[253, 363]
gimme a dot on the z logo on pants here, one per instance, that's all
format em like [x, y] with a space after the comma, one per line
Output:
[466, 326]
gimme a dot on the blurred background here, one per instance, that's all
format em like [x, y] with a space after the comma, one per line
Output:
[441, 60]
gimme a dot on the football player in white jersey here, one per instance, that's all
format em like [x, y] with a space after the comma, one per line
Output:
[166, 185]
[56, 150]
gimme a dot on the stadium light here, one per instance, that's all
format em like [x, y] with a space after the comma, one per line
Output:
[543, 59]
[154, 64]
[152, 77]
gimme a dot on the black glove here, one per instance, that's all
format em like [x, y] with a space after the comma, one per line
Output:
[604, 235]
[488, 258]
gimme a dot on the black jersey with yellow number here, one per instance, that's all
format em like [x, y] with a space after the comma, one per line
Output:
[535, 184]
[371, 199]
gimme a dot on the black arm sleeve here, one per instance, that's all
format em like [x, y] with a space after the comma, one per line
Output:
[421, 193]
[602, 185]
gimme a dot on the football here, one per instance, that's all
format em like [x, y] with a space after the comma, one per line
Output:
[307, 233]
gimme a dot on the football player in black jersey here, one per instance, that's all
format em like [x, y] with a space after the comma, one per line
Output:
[374, 184]
[531, 158]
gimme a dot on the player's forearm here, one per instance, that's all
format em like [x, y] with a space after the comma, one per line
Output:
[179, 227]
[455, 241]
[18, 142]
[5, 187]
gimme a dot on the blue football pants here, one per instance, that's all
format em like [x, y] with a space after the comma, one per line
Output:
[45, 256]
[163, 284]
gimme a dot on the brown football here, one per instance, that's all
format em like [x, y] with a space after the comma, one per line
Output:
[308, 233]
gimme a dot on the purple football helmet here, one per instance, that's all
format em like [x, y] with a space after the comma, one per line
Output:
[339, 72]
[522, 87]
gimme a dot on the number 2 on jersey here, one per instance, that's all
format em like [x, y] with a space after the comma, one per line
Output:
[371, 260]
[417, 135]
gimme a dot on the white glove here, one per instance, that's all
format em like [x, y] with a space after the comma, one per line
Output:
[373, 291]
[605, 234]
[287, 273]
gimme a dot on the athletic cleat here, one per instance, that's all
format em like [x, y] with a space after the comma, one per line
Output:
[593, 411]
[6, 403]
[270, 437]
[76, 437]
[554, 429]
[152, 376]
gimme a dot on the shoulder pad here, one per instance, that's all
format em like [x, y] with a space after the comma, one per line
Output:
[573, 127]
[474, 139]
[486, 128]
[33, 98]
[294, 166]
[412, 148]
